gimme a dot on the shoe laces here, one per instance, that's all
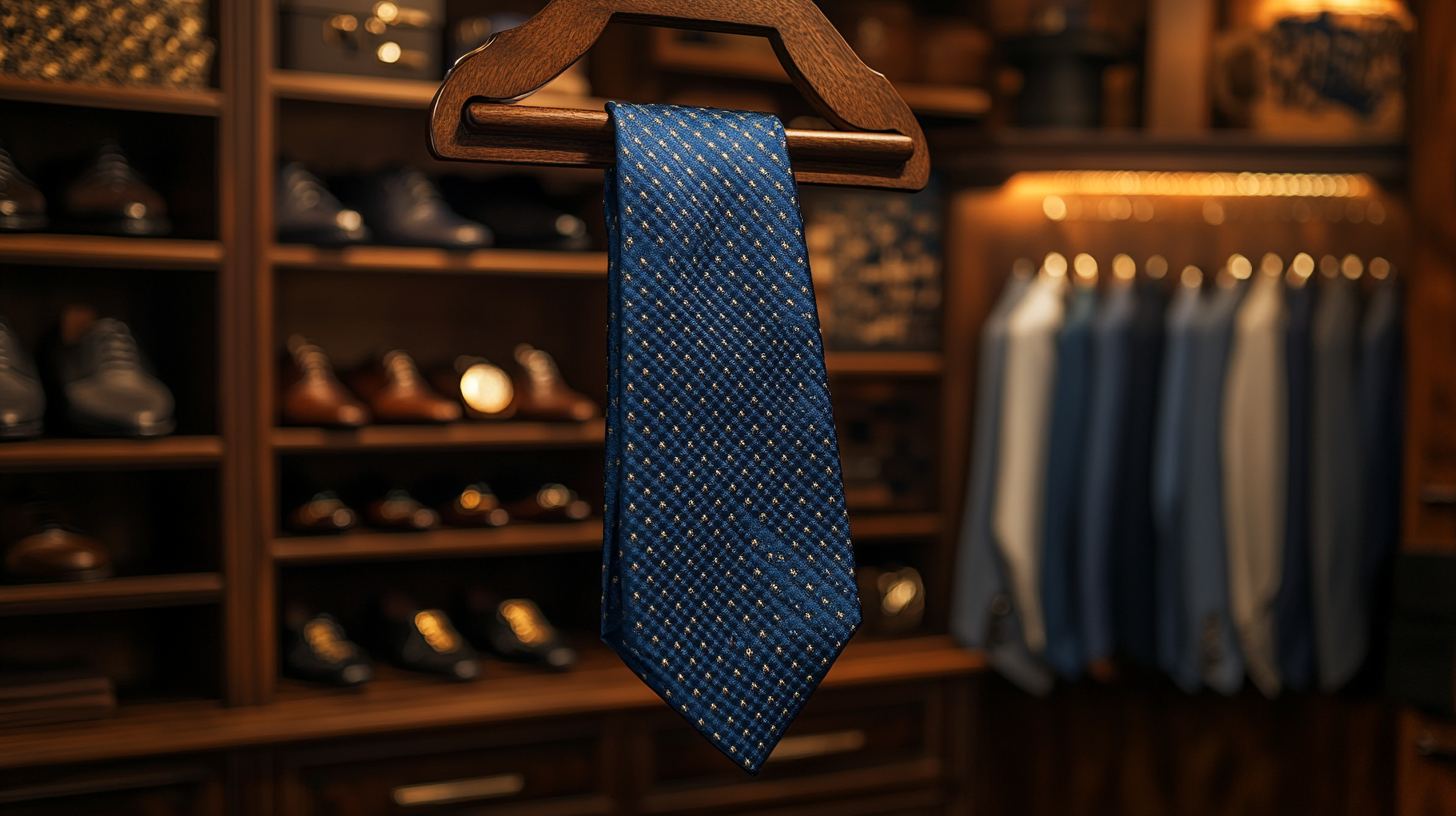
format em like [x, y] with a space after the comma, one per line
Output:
[401, 367]
[116, 348]
[111, 167]
[305, 186]
[423, 192]
[539, 365]
[8, 170]
[312, 361]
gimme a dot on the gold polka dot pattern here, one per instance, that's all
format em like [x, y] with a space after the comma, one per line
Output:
[728, 576]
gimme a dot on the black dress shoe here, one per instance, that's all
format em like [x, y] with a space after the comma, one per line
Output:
[425, 640]
[515, 629]
[111, 197]
[307, 213]
[406, 209]
[108, 386]
[320, 651]
[324, 513]
[22, 206]
[519, 212]
[22, 399]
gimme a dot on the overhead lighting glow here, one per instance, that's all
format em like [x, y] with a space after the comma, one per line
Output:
[1050, 185]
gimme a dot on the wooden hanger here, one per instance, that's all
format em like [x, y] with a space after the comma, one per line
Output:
[878, 144]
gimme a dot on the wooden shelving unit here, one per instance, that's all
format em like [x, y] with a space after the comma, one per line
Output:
[390, 93]
[104, 252]
[523, 262]
[400, 702]
[435, 437]
[671, 53]
[71, 454]
[141, 592]
[149, 100]
[894, 526]
[515, 539]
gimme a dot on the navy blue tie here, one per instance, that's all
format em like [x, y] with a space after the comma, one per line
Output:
[728, 578]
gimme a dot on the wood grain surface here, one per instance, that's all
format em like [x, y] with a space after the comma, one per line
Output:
[517, 62]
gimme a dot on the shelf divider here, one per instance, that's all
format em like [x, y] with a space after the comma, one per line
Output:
[516, 539]
[428, 437]
[139, 592]
[114, 97]
[99, 250]
[70, 454]
[524, 262]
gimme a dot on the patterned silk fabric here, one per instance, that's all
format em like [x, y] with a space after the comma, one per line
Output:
[728, 583]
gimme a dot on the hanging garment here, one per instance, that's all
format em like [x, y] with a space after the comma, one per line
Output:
[1255, 453]
[1382, 434]
[1102, 477]
[1293, 615]
[1134, 548]
[1337, 553]
[728, 583]
[1026, 401]
[1210, 647]
[1066, 447]
[982, 614]
[1170, 453]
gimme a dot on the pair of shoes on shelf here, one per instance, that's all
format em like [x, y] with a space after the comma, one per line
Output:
[396, 392]
[475, 506]
[399, 206]
[55, 552]
[106, 384]
[393, 387]
[109, 197]
[424, 640]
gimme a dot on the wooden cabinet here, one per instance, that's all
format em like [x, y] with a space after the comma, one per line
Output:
[184, 788]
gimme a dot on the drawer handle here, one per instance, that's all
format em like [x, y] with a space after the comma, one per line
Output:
[1428, 747]
[459, 790]
[1440, 495]
[817, 745]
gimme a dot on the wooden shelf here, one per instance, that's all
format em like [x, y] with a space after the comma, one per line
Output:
[519, 539]
[898, 363]
[397, 702]
[991, 157]
[141, 592]
[96, 250]
[151, 100]
[673, 54]
[873, 526]
[393, 93]
[524, 262]
[70, 454]
[425, 437]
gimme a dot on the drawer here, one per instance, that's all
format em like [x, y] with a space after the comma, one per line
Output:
[152, 789]
[846, 740]
[1425, 765]
[510, 771]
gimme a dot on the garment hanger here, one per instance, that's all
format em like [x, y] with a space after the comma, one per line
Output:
[878, 144]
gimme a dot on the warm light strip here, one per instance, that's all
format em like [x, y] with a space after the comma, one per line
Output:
[1126, 182]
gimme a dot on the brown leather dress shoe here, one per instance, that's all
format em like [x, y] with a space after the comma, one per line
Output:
[553, 502]
[57, 554]
[111, 197]
[398, 511]
[324, 513]
[312, 395]
[396, 392]
[475, 506]
[484, 389]
[542, 394]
